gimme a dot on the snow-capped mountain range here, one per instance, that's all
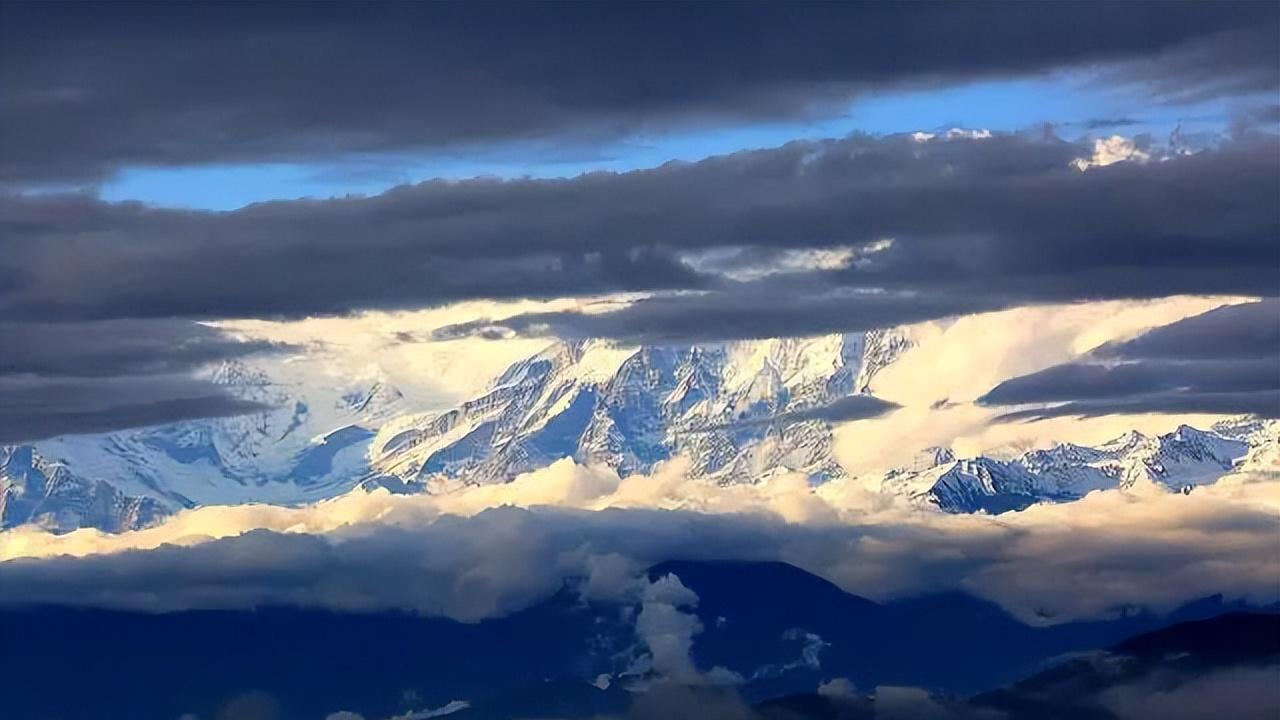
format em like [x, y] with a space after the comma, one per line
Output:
[632, 408]
[1177, 461]
[737, 410]
[34, 489]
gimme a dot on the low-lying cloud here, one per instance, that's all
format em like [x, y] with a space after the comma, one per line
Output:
[490, 551]
[1246, 693]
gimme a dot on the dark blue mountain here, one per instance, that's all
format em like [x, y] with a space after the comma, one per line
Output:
[138, 666]
[759, 615]
[1177, 661]
[1165, 661]
[759, 620]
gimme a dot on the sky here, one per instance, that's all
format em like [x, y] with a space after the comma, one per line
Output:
[1069, 208]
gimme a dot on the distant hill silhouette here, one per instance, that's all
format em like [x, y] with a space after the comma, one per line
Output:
[76, 663]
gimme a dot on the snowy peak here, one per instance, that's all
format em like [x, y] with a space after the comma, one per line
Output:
[1182, 459]
[1176, 461]
[982, 484]
[1190, 443]
[737, 410]
[307, 443]
[1124, 443]
[326, 428]
[37, 491]
[630, 408]
[379, 399]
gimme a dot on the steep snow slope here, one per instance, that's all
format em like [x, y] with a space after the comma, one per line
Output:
[598, 402]
[329, 428]
[310, 443]
[37, 491]
[630, 408]
[1177, 461]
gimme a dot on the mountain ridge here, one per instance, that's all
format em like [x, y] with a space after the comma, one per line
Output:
[533, 661]
[741, 412]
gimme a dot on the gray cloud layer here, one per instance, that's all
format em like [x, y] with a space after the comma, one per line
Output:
[1224, 361]
[977, 224]
[93, 88]
[845, 409]
[761, 309]
[57, 379]
[504, 559]
[184, 83]
[116, 347]
[1249, 330]
[33, 410]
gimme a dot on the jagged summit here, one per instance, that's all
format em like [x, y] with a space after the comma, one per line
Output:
[45, 493]
[735, 410]
[629, 408]
[1176, 461]
[309, 442]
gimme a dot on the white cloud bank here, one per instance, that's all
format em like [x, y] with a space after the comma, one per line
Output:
[492, 550]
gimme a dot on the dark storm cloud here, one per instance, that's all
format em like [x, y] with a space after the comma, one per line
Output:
[1249, 330]
[117, 347]
[430, 243]
[1263, 403]
[58, 379]
[1224, 361]
[34, 409]
[845, 409]
[93, 87]
[1237, 61]
[854, 407]
[1084, 380]
[1269, 114]
[976, 227]
[976, 224]
[752, 310]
